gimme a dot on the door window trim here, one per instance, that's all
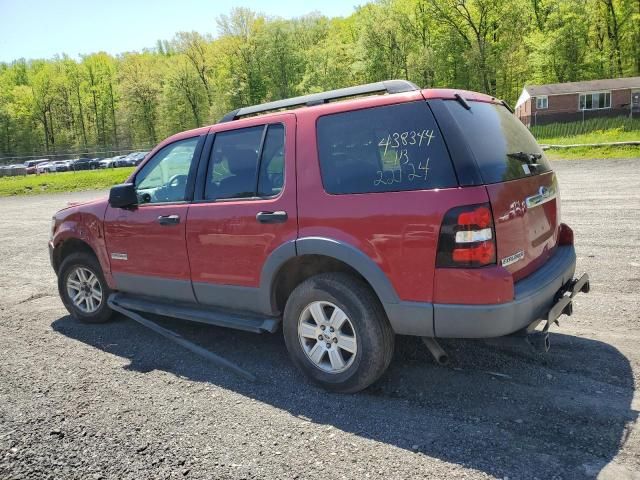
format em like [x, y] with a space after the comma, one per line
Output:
[205, 164]
[191, 176]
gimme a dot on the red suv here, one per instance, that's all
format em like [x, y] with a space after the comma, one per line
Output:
[403, 211]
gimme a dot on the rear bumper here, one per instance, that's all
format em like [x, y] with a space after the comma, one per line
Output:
[543, 294]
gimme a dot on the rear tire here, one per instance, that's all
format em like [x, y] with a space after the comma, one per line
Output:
[83, 289]
[354, 354]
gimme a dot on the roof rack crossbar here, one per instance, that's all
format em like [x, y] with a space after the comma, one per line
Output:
[388, 86]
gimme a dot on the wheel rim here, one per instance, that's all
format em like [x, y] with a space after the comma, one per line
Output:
[327, 337]
[84, 289]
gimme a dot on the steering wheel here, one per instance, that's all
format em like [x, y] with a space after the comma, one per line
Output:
[175, 185]
[177, 180]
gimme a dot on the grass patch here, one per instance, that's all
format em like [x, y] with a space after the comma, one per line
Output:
[595, 130]
[601, 128]
[598, 136]
[63, 181]
[578, 153]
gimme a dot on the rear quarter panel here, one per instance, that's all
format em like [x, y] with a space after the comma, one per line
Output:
[397, 230]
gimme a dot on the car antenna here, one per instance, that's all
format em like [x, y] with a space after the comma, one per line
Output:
[462, 101]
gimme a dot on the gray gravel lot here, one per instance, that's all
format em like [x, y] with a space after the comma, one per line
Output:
[118, 401]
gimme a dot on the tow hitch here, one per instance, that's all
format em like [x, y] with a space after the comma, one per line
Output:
[564, 300]
[563, 305]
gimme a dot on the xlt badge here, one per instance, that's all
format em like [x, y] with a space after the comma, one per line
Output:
[512, 258]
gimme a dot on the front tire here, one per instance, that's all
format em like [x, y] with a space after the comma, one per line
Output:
[337, 333]
[83, 289]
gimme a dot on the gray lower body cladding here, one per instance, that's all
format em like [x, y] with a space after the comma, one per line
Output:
[534, 297]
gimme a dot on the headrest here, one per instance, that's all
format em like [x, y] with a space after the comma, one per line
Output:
[241, 160]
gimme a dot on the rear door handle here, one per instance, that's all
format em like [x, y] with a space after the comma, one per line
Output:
[169, 219]
[272, 217]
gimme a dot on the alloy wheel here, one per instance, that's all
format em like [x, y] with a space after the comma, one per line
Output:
[84, 290]
[327, 336]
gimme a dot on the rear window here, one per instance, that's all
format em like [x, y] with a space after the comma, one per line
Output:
[503, 147]
[383, 149]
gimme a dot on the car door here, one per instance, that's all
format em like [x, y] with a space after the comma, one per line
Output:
[146, 244]
[245, 208]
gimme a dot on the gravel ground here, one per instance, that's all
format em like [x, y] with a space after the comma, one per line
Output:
[118, 401]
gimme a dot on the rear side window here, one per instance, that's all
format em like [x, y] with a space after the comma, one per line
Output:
[247, 163]
[383, 149]
[234, 164]
[503, 147]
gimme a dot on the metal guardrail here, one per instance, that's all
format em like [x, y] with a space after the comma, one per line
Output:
[604, 144]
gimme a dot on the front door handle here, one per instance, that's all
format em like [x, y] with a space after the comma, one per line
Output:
[169, 219]
[272, 217]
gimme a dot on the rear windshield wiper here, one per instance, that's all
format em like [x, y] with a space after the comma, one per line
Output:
[525, 157]
[462, 101]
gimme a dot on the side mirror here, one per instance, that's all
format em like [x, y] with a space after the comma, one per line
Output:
[123, 196]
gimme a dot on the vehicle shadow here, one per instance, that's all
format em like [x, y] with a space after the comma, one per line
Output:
[509, 413]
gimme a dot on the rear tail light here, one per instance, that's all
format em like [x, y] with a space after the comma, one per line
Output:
[467, 237]
[565, 236]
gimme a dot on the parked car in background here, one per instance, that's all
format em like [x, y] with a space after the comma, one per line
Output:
[106, 163]
[46, 167]
[18, 169]
[32, 164]
[13, 170]
[62, 165]
[112, 162]
[74, 165]
[139, 157]
[118, 161]
[85, 164]
[344, 222]
[94, 163]
[124, 161]
[132, 160]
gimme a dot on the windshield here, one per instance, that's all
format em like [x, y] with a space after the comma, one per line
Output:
[503, 147]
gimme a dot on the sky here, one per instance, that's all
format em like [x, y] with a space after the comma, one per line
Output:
[43, 28]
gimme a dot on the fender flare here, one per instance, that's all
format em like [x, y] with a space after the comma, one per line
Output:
[327, 247]
[73, 230]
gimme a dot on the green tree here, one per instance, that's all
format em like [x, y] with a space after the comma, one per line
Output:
[106, 103]
[140, 86]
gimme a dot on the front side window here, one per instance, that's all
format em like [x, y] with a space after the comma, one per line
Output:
[595, 101]
[246, 163]
[164, 177]
[383, 149]
[542, 102]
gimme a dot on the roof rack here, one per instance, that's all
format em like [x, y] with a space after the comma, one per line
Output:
[388, 86]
